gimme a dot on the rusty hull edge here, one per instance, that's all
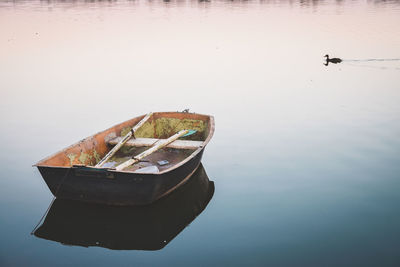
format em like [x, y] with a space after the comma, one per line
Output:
[116, 188]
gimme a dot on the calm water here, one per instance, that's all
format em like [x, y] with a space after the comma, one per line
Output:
[305, 157]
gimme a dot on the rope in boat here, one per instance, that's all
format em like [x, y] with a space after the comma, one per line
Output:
[51, 203]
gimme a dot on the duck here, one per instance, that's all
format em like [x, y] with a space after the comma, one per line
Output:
[334, 60]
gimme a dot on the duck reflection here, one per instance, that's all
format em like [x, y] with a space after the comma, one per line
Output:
[149, 227]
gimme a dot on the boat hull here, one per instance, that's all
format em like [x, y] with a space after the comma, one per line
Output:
[115, 188]
[73, 172]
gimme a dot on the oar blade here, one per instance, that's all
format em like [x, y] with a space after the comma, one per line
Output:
[190, 133]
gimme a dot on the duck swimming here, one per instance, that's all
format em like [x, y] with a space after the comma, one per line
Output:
[334, 60]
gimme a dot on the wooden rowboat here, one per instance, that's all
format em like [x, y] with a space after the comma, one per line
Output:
[132, 163]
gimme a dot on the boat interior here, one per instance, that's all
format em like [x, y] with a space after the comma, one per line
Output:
[157, 128]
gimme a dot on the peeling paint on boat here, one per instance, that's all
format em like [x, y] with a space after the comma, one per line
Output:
[71, 157]
[84, 157]
[96, 156]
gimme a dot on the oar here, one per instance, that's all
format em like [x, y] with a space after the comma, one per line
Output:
[123, 141]
[153, 149]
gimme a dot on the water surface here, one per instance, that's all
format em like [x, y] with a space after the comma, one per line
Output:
[305, 157]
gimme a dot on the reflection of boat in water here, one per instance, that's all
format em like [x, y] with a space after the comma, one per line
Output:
[148, 227]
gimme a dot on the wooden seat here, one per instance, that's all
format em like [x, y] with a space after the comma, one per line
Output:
[141, 142]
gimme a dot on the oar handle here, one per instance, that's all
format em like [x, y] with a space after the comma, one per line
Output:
[123, 141]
